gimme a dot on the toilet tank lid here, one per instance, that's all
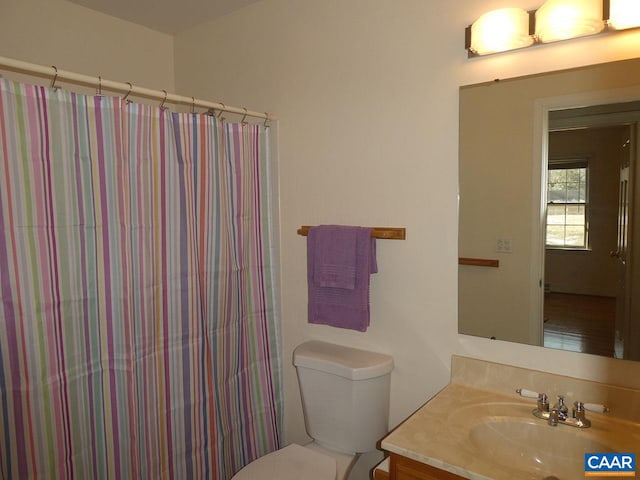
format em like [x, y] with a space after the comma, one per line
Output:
[347, 362]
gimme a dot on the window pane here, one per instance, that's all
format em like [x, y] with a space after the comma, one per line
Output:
[557, 192]
[575, 215]
[566, 204]
[556, 214]
[573, 192]
[575, 209]
[574, 236]
[555, 235]
[573, 175]
[557, 176]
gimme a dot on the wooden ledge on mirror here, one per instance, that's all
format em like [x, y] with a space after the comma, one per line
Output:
[479, 262]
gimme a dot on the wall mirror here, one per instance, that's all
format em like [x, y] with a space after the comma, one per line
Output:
[549, 191]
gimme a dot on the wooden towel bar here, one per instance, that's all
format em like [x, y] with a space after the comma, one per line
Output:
[386, 233]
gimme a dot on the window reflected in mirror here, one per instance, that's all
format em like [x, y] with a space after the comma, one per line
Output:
[567, 204]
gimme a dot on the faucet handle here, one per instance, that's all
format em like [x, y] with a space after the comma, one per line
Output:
[528, 393]
[560, 406]
[578, 415]
[543, 402]
[595, 407]
[590, 407]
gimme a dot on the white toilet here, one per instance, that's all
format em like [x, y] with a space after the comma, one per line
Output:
[345, 400]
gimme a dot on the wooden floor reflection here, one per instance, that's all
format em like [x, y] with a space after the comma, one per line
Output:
[580, 323]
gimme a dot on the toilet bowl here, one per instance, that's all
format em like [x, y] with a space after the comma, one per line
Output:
[345, 402]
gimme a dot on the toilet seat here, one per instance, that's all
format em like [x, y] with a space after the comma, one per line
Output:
[290, 463]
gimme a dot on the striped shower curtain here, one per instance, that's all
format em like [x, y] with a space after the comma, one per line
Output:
[138, 333]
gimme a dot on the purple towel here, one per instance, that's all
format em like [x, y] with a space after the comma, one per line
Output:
[339, 262]
[335, 256]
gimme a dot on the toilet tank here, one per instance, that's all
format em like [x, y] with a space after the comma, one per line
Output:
[345, 395]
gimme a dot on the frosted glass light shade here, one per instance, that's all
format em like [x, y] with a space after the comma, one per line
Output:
[564, 19]
[624, 14]
[500, 30]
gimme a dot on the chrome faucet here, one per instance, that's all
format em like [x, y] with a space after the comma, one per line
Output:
[558, 414]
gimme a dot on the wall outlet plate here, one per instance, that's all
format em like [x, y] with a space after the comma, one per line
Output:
[504, 245]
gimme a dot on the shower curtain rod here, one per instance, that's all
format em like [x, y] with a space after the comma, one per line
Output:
[56, 74]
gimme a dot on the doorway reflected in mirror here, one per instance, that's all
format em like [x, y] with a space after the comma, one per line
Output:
[587, 237]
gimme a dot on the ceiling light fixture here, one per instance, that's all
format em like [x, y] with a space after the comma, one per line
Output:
[501, 30]
[513, 28]
[564, 19]
[624, 14]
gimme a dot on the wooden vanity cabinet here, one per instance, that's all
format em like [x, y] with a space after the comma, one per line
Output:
[403, 468]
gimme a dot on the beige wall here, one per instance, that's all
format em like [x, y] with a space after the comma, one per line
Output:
[74, 38]
[367, 96]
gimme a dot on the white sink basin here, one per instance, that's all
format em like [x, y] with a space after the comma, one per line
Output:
[535, 446]
[509, 437]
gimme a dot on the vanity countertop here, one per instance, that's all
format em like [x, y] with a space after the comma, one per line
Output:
[428, 436]
[443, 433]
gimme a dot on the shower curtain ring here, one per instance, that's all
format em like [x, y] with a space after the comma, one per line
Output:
[129, 92]
[224, 107]
[163, 100]
[55, 77]
[99, 86]
[244, 117]
[193, 105]
[266, 120]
